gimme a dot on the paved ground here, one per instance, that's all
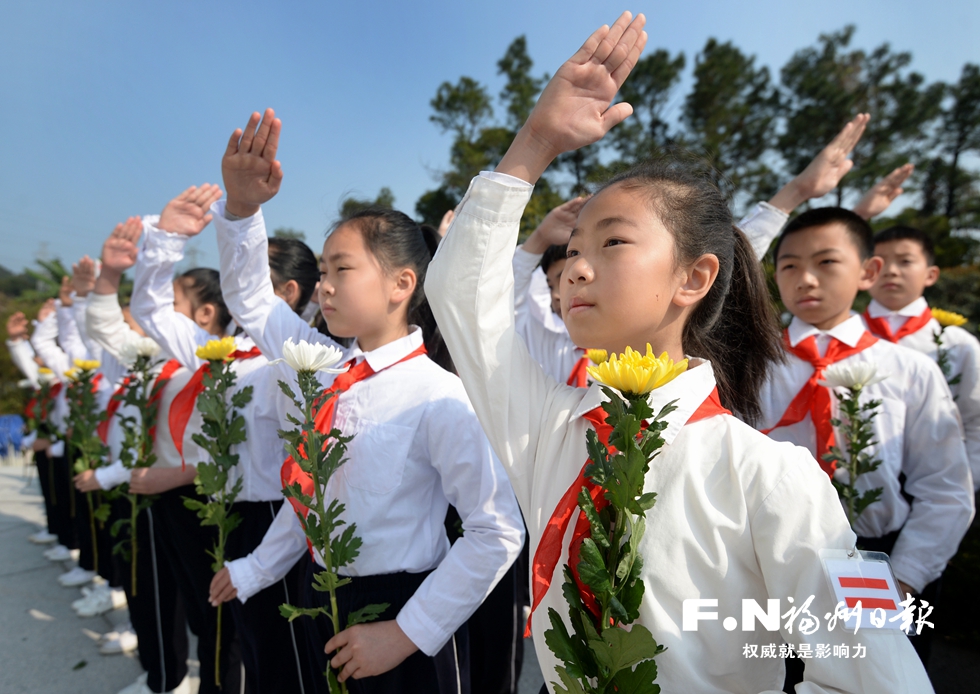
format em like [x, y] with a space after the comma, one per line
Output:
[45, 648]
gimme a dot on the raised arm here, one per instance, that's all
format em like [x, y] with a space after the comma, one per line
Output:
[83, 282]
[764, 221]
[153, 290]
[104, 319]
[69, 336]
[252, 177]
[21, 352]
[883, 193]
[45, 340]
[470, 282]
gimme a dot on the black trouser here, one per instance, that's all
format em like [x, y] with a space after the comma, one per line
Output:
[63, 499]
[45, 476]
[446, 672]
[273, 650]
[156, 610]
[496, 633]
[185, 544]
[83, 526]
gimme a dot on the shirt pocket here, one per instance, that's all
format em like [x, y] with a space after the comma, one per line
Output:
[377, 455]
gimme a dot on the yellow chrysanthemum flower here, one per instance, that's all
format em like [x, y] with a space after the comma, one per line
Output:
[597, 356]
[633, 373]
[72, 374]
[217, 350]
[45, 371]
[948, 318]
[87, 364]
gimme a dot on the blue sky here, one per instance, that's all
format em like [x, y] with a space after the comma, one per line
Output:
[111, 108]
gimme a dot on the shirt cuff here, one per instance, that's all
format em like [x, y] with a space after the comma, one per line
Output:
[169, 246]
[57, 449]
[506, 179]
[235, 227]
[524, 259]
[909, 573]
[112, 475]
[423, 632]
[243, 577]
[490, 200]
[28, 440]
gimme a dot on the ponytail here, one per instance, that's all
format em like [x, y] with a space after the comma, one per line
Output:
[397, 241]
[734, 325]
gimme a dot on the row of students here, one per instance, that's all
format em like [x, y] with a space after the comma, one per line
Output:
[653, 257]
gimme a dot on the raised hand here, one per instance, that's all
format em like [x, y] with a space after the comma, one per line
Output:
[83, 276]
[556, 227]
[64, 292]
[825, 171]
[17, 326]
[119, 251]
[573, 110]
[251, 173]
[883, 193]
[47, 308]
[187, 213]
[446, 222]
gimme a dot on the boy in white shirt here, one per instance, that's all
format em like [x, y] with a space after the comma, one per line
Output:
[900, 314]
[823, 258]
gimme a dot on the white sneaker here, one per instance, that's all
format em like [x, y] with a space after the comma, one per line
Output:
[114, 634]
[58, 553]
[183, 688]
[101, 602]
[76, 577]
[42, 537]
[125, 642]
[87, 593]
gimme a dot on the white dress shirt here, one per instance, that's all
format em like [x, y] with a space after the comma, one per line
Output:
[543, 332]
[963, 352]
[22, 355]
[45, 344]
[106, 326]
[916, 433]
[737, 515]
[417, 448]
[761, 225]
[260, 457]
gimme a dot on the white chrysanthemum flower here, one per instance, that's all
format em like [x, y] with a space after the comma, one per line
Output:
[842, 475]
[853, 376]
[307, 357]
[138, 347]
[46, 376]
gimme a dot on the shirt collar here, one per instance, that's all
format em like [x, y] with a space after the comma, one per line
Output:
[386, 355]
[876, 310]
[849, 332]
[689, 390]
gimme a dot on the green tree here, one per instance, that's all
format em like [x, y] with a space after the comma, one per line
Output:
[352, 205]
[289, 233]
[959, 134]
[522, 89]
[730, 116]
[648, 90]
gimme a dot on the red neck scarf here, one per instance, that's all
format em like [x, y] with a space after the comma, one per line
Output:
[291, 472]
[110, 411]
[549, 549]
[814, 398]
[183, 404]
[156, 391]
[53, 393]
[579, 375]
[883, 329]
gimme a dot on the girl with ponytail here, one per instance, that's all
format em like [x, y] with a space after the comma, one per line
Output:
[417, 446]
[654, 259]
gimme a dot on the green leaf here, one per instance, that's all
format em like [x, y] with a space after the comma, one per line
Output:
[599, 531]
[291, 612]
[638, 681]
[572, 685]
[619, 649]
[592, 568]
[368, 613]
[560, 643]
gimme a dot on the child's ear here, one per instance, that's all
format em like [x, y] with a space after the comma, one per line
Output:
[405, 282]
[291, 292]
[204, 315]
[932, 275]
[700, 276]
[870, 269]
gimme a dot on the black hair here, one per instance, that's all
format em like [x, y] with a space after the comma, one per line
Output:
[552, 255]
[203, 286]
[734, 325]
[901, 233]
[291, 259]
[397, 241]
[857, 227]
